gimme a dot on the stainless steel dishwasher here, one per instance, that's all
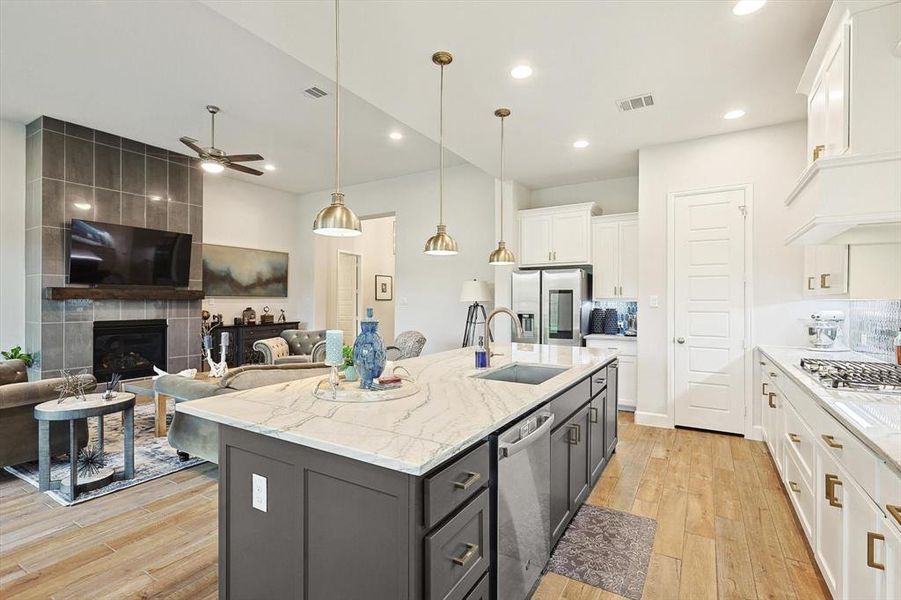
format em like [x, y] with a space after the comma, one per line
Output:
[523, 505]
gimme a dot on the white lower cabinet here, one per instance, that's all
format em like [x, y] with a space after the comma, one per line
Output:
[829, 545]
[627, 350]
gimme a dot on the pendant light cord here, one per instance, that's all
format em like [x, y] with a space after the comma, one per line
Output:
[337, 103]
[212, 129]
[441, 151]
[502, 179]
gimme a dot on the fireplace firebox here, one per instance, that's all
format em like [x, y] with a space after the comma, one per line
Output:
[130, 348]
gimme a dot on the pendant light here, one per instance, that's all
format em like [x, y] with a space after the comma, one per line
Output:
[336, 219]
[502, 256]
[441, 244]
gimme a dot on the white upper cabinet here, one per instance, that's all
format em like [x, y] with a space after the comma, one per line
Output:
[559, 235]
[825, 270]
[615, 256]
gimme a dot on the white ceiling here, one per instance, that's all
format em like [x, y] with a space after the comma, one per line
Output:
[697, 58]
[146, 70]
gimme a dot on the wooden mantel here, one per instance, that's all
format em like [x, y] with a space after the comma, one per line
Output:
[121, 293]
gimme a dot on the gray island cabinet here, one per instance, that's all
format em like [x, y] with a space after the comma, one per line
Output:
[393, 500]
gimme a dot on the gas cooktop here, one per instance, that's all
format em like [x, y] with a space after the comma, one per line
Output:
[856, 375]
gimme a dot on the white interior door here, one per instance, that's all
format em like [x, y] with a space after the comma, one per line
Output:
[347, 310]
[708, 248]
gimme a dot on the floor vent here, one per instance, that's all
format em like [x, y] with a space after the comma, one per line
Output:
[635, 103]
[315, 93]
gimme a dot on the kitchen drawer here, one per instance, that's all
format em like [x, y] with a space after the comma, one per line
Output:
[890, 493]
[624, 346]
[801, 494]
[598, 380]
[457, 553]
[571, 400]
[481, 591]
[450, 487]
[800, 441]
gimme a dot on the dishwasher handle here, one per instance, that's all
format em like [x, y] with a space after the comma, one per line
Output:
[506, 450]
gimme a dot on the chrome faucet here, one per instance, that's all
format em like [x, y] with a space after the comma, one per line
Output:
[491, 315]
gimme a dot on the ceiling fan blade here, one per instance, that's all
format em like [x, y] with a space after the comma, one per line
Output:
[192, 144]
[243, 157]
[242, 169]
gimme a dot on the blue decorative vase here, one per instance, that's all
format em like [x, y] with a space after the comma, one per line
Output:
[369, 351]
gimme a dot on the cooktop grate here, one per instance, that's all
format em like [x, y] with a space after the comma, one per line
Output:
[854, 374]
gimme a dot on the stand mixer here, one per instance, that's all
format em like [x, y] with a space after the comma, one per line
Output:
[825, 329]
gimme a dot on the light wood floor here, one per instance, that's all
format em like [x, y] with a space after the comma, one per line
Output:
[724, 529]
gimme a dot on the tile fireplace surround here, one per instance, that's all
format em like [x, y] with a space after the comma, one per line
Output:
[76, 172]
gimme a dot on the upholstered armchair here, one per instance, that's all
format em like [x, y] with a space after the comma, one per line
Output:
[407, 344]
[18, 427]
[293, 346]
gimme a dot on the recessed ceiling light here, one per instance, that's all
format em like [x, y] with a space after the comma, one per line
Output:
[396, 135]
[521, 71]
[269, 167]
[746, 7]
[82, 205]
[580, 144]
[734, 114]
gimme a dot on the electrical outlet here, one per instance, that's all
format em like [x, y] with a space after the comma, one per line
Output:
[260, 500]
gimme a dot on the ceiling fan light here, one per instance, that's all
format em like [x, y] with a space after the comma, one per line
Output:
[336, 220]
[441, 244]
[501, 256]
[211, 166]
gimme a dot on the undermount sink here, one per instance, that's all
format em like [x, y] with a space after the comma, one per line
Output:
[516, 373]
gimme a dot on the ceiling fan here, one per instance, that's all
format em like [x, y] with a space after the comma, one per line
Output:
[214, 160]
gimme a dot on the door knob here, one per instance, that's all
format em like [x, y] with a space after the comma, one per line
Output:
[681, 340]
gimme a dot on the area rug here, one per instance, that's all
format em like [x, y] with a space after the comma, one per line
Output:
[154, 457]
[606, 549]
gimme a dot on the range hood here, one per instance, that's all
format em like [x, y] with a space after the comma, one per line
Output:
[847, 199]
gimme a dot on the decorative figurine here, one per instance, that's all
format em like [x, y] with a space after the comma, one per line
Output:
[72, 386]
[281, 317]
[110, 392]
[266, 318]
[217, 369]
[249, 316]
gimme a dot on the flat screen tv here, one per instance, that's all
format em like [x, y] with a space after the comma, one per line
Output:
[107, 254]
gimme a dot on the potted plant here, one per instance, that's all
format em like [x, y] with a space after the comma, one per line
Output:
[350, 371]
[14, 353]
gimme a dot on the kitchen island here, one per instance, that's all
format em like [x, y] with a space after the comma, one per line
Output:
[322, 499]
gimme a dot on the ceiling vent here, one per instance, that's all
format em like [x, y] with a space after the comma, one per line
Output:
[635, 103]
[315, 93]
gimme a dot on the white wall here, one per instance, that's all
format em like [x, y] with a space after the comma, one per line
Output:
[769, 158]
[237, 213]
[516, 198]
[612, 195]
[12, 234]
[426, 288]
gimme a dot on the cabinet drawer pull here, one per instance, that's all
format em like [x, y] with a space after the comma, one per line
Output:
[810, 283]
[601, 380]
[464, 558]
[794, 487]
[895, 511]
[871, 550]
[824, 281]
[830, 441]
[593, 414]
[471, 478]
[763, 388]
[831, 482]
[794, 437]
[770, 397]
[571, 438]
[578, 432]
[773, 374]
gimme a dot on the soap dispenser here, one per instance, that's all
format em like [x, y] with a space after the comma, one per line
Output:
[481, 354]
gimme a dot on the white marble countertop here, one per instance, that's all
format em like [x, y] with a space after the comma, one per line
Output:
[874, 418]
[413, 435]
[610, 336]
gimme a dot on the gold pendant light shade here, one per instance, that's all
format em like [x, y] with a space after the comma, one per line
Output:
[441, 244]
[336, 219]
[501, 256]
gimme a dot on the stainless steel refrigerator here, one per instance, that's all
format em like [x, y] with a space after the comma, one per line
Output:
[553, 305]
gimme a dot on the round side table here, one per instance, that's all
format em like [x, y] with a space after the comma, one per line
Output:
[72, 410]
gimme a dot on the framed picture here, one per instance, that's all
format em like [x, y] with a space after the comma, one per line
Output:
[232, 271]
[384, 287]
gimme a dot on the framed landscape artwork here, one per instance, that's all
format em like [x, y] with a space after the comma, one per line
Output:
[233, 271]
[384, 287]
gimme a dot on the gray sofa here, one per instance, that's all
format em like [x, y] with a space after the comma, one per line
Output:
[293, 346]
[191, 436]
[18, 427]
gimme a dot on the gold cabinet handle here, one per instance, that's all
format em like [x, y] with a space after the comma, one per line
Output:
[895, 511]
[818, 151]
[794, 437]
[464, 558]
[773, 374]
[830, 441]
[794, 487]
[871, 550]
[770, 397]
[593, 414]
[831, 482]
[824, 281]
[763, 388]
[810, 283]
[471, 478]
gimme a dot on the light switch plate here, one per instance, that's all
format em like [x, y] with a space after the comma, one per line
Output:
[260, 500]
[654, 302]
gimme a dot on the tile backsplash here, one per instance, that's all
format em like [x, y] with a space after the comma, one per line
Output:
[873, 325]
